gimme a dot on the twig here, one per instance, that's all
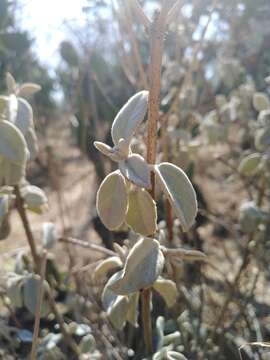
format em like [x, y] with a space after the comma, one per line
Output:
[173, 12]
[135, 48]
[39, 305]
[140, 14]
[235, 283]
[87, 245]
[26, 225]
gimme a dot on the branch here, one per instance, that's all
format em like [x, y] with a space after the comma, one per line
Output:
[138, 11]
[85, 244]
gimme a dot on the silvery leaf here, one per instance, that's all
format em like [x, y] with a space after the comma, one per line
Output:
[143, 266]
[142, 212]
[103, 148]
[24, 118]
[30, 294]
[12, 108]
[136, 170]
[11, 83]
[28, 89]
[32, 143]
[12, 144]
[116, 306]
[133, 312]
[107, 265]
[262, 139]
[112, 200]
[250, 217]
[14, 290]
[4, 102]
[50, 235]
[87, 344]
[179, 191]
[167, 290]
[11, 174]
[130, 117]
[117, 313]
[250, 164]
[34, 198]
[5, 227]
[183, 254]
[3, 207]
[261, 101]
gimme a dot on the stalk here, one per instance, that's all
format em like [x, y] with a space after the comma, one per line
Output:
[157, 34]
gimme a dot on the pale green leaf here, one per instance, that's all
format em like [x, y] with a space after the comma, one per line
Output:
[167, 290]
[4, 101]
[34, 198]
[130, 117]
[103, 148]
[31, 288]
[133, 311]
[117, 313]
[12, 108]
[142, 212]
[11, 83]
[32, 143]
[107, 265]
[112, 200]
[11, 174]
[24, 118]
[14, 290]
[261, 101]
[262, 139]
[116, 306]
[179, 191]
[28, 89]
[49, 235]
[249, 165]
[87, 344]
[3, 207]
[143, 266]
[12, 144]
[136, 170]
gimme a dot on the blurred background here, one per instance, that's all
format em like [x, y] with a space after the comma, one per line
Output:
[90, 56]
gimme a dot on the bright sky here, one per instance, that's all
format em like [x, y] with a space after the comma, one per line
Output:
[44, 20]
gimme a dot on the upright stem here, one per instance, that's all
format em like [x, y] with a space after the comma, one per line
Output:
[26, 225]
[157, 32]
[146, 316]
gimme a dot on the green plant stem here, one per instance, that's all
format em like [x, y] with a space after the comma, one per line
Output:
[36, 259]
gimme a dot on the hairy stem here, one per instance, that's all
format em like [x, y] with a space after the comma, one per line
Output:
[157, 32]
